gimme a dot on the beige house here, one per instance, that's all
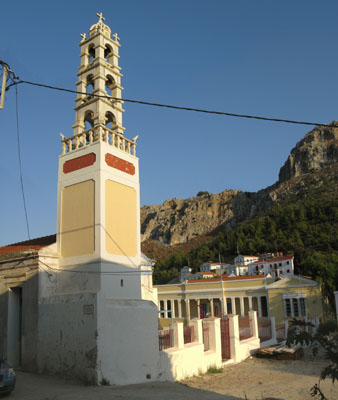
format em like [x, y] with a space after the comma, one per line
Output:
[282, 298]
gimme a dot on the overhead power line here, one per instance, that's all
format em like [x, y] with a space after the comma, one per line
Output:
[147, 103]
[19, 159]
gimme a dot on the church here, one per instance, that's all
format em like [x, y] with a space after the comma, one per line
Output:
[81, 302]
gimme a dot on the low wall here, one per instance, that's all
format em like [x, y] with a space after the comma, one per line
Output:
[185, 360]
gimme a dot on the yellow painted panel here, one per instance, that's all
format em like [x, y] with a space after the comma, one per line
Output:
[78, 219]
[121, 219]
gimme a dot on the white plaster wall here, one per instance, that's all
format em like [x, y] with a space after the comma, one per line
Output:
[177, 364]
[127, 341]
[67, 336]
[246, 348]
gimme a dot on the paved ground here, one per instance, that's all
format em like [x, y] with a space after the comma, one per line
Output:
[257, 379]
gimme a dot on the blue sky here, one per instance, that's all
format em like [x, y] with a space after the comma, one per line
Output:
[270, 58]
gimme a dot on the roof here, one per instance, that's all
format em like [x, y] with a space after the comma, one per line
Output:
[226, 277]
[33, 244]
[267, 260]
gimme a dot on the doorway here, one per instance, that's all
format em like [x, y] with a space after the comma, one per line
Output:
[14, 326]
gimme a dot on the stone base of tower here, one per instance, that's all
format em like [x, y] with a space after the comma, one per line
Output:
[127, 341]
[84, 337]
[67, 340]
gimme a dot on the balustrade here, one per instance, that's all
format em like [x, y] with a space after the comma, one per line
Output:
[101, 134]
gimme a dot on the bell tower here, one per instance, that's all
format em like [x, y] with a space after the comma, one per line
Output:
[98, 313]
[98, 186]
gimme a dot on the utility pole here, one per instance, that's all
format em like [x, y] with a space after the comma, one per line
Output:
[6, 73]
[5, 68]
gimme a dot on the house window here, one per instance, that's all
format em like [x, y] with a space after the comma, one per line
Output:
[288, 307]
[295, 307]
[280, 264]
[302, 307]
[288, 262]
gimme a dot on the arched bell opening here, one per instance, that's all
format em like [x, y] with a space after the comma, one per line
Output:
[89, 86]
[110, 121]
[91, 53]
[108, 54]
[89, 120]
[111, 86]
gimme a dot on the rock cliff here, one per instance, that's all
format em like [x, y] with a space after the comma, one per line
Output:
[178, 221]
[317, 149]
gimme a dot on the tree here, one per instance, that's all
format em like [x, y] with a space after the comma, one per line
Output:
[326, 337]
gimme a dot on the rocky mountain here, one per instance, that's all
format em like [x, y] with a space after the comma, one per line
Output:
[311, 166]
[317, 149]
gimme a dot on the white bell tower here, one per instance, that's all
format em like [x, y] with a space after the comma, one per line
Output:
[98, 192]
[103, 288]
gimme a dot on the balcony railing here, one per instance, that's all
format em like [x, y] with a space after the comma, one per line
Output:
[99, 134]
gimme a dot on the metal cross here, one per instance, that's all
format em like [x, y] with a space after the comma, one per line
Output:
[116, 37]
[100, 16]
[83, 35]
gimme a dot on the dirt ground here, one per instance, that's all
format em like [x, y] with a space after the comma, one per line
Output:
[256, 379]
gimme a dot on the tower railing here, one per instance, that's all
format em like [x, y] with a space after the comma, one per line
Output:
[94, 135]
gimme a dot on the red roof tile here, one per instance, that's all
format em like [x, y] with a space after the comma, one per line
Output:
[226, 277]
[33, 244]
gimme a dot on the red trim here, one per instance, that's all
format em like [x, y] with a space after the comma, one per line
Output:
[79, 163]
[121, 165]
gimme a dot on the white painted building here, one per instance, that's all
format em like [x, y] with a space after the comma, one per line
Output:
[185, 273]
[245, 259]
[282, 266]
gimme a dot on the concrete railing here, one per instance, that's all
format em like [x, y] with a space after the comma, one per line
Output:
[99, 134]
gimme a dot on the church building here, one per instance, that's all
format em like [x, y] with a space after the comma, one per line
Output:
[81, 302]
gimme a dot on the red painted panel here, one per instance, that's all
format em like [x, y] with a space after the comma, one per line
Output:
[79, 162]
[121, 165]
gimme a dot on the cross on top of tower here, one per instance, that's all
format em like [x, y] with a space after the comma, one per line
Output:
[101, 17]
[83, 35]
[116, 37]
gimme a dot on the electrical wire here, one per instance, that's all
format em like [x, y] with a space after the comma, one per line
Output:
[288, 121]
[19, 159]
[136, 272]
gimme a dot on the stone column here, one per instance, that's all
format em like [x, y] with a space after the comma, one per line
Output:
[241, 302]
[212, 307]
[187, 309]
[273, 329]
[233, 306]
[179, 308]
[165, 308]
[172, 303]
[250, 303]
[198, 308]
